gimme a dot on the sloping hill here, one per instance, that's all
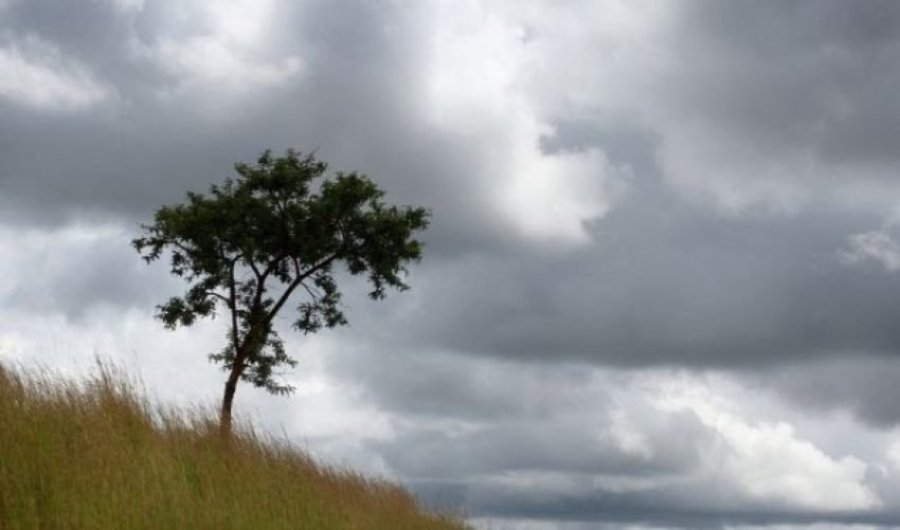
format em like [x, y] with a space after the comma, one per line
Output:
[95, 455]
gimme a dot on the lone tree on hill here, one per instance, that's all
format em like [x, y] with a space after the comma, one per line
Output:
[275, 230]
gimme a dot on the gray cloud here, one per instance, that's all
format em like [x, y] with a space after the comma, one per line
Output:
[853, 383]
[804, 92]
[158, 137]
[76, 269]
[664, 284]
[616, 191]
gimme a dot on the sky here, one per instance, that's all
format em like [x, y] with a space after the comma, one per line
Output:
[661, 287]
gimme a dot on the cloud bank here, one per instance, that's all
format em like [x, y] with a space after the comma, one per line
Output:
[660, 289]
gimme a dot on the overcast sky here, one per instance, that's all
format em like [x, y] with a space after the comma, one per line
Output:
[662, 284]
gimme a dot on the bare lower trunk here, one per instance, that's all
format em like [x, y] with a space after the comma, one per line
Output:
[228, 400]
[241, 355]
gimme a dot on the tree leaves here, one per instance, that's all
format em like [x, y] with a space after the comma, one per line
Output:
[278, 229]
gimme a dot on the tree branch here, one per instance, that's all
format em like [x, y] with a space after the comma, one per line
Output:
[298, 281]
[218, 295]
[312, 293]
[256, 272]
[180, 246]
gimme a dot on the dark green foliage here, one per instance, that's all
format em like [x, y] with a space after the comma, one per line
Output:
[254, 240]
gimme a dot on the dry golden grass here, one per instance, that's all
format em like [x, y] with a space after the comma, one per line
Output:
[96, 455]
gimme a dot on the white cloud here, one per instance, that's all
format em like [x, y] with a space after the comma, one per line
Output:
[893, 455]
[877, 245]
[628, 435]
[35, 73]
[720, 113]
[128, 5]
[59, 258]
[500, 76]
[53, 269]
[326, 416]
[213, 59]
[768, 460]
[9, 345]
[479, 64]
[224, 58]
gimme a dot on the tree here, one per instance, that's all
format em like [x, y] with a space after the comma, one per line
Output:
[276, 230]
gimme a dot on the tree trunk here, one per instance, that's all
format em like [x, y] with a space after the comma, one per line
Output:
[228, 399]
[242, 352]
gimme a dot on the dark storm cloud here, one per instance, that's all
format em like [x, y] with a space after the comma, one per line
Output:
[578, 445]
[666, 284]
[570, 416]
[668, 281]
[855, 383]
[679, 503]
[98, 34]
[357, 100]
[486, 364]
[798, 95]
[568, 442]
[664, 508]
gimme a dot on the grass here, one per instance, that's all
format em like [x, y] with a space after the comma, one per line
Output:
[96, 455]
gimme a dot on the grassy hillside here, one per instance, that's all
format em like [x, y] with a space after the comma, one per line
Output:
[96, 455]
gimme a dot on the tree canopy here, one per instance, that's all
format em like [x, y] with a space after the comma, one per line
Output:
[279, 228]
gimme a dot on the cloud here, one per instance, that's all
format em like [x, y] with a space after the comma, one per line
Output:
[574, 442]
[664, 284]
[768, 462]
[758, 109]
[36, 74]
[224, 61]
[477, 73]
[876, 245]
[659, 289]
[196, 81]
[785, 133]
[72, 270]
[862, 386]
